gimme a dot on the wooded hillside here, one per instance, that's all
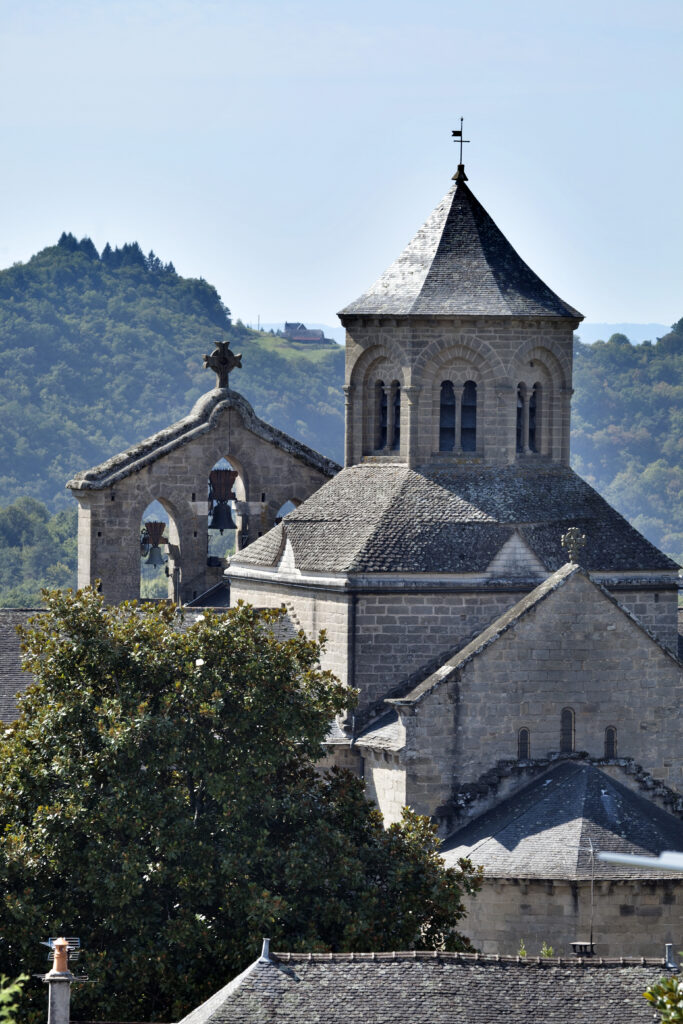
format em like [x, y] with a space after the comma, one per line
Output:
[100, 351]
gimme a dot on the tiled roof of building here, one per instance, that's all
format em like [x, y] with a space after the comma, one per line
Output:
[459, 264]
[432, 988]
[388, 518]
[546, 829]
[12, 678]
[201, 419]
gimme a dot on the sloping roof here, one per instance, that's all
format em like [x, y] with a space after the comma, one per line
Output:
[546, 830]
[460, 264]
[432, 988]
[12, 679]
[202, 418]
[388, 518]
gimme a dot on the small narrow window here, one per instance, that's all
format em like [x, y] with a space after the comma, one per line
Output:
[381, 414]
[567, 731]
[610, 741]
[396, 438]
[534, 417]
[520, 418]
[447, 417]
[468, 417]
[523, 745]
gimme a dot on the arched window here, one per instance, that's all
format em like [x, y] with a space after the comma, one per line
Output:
[534, 418]
[381, 411]
[521, 397]
[468, 417]
[447, 417]
[610, 741]
[396, 425]
[523, 745]
[567, 731]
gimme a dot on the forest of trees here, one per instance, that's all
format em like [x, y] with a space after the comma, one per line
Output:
[100, 351]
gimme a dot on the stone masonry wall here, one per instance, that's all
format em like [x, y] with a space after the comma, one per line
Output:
[385, 783]
[421, 352]
[657, 610]
[573, 649]
[307, 609]
[399, 633]
[631, 918]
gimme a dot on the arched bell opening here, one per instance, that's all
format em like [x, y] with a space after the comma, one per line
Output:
[447, 411]
[535, 418]
[521, 427]
[159, 547]
[224, 523]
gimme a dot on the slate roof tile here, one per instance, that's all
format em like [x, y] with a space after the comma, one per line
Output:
[432, 988]
[546, 829]
[459, 264]
[374, 518]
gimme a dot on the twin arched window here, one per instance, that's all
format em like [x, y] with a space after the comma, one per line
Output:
[528, 418]
[458, 417]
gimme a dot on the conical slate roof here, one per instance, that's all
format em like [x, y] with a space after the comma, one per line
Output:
[459, 264]
[547, 829]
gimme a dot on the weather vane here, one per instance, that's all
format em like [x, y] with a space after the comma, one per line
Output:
[457, 135]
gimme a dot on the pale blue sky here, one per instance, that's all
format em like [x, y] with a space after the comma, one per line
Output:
[287, 151]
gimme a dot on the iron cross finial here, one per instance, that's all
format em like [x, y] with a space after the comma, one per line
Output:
[222, 361]
[573, 541]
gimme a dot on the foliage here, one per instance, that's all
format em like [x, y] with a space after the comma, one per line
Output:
[38, 549]
[627, 430]
[9, 997]
[522, 948]
[667, 998]
[100, 352]
[158, 797]
[546, 950]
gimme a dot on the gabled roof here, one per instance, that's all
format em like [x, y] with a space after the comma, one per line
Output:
[202, 418]
[546, 830]
[432, 988]
[459, 264]
[389, 518]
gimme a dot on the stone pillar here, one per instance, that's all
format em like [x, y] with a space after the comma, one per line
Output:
[458, 418]
[525, 422]
[348, 425]
[410, 445]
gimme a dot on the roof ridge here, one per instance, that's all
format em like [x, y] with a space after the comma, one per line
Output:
[436, 955]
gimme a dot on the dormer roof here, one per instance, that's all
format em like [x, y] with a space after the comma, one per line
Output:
[460, 264]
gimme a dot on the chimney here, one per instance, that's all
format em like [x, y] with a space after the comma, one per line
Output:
[59, 979]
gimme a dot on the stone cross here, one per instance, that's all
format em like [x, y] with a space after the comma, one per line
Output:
[573, 541]
[222, 361]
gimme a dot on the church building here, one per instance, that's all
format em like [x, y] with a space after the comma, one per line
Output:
[513, 640]
[498, 618]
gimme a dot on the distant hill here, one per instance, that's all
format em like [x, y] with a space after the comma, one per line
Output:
[589, 332]
[99, 351]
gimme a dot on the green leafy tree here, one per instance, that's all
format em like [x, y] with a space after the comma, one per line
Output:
[159, 798]
[9, 997]
[667, 998]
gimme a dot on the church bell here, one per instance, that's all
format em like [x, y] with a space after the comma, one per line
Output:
[153, 540]
[220, 493]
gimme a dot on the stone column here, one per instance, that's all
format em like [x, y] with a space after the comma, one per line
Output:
[348, 425]
[457, 412]
[525, 422]
[410, 445]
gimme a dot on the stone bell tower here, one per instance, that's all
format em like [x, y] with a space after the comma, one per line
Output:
[459, 353]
